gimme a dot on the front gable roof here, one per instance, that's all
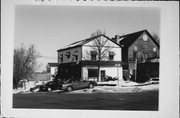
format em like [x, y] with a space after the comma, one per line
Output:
[129, 39]
[82, 42]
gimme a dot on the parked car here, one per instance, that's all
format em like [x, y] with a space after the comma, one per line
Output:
[49, 86]
[74, 85]
[35, 89]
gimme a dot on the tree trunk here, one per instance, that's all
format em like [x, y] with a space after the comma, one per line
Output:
[24, 84]
[99, 74]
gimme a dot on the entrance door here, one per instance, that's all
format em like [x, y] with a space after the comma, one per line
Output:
[103, 74]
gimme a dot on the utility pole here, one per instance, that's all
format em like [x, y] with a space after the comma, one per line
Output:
[118, 75]
[118, 65]
[135, 69]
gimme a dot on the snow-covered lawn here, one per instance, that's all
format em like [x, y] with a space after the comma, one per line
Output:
[124, 87]
[20, 90]
[121, 87]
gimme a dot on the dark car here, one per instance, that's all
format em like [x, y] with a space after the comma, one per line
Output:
[49, 86]
[74, 85]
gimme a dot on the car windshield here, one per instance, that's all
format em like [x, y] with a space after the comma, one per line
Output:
[70, 81]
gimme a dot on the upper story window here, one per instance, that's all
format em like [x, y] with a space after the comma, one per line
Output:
[75, 57]
[135, 48]
[68, 54]
[134, 54]
[111, 55]
[155, 52]
[61, 57]
[93, 55]
[154, 49]
[145, 37]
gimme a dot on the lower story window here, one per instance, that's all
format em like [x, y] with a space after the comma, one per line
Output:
[92, 72]
[103, 73]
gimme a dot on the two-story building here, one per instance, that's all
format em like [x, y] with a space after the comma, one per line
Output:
[137, 47]
[86, 59]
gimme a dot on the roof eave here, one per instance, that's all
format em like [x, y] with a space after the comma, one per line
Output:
[69, 48]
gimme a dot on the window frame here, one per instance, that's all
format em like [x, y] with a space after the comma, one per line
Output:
[93, 55]
[68, 55]
[61, 58]
[92, 73]
[111, 55]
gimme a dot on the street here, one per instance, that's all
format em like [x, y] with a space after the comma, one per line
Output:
[146, 100]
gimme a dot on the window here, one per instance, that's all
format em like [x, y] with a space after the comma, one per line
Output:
[92, 72]
[93, 55]
[134, 54]
[145, 37]
[103, 73]
[68, 54]
[154, 55]
[135, 48]
[48, 69]
[61, 57]
[76, 57]
[111, 55]
[154, 49]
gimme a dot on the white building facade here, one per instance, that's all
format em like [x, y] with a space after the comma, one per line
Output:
[89, 59]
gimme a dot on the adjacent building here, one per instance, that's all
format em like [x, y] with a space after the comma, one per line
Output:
[100, 56]
[33, 80]
[81, 60]
[137, 47]
[52, 69]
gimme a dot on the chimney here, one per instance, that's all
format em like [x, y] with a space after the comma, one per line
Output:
[116, 38]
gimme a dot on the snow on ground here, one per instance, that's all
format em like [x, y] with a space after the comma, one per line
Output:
[20, 90]
[115, 89]
[124, 87]
[108, 89]
[121, 87]
[124, 83]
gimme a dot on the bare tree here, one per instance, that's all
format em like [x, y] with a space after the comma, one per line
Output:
[25, 63]
[98, 32]
[102, 48]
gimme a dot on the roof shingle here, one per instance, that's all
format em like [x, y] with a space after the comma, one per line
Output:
[129, 39]
[82, 42]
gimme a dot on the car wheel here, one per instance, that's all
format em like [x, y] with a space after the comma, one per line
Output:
[91, 85]
[69, 88]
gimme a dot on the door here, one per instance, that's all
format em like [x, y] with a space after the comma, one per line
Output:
[103, 74]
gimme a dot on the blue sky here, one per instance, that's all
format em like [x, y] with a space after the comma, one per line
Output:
[53, 27]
